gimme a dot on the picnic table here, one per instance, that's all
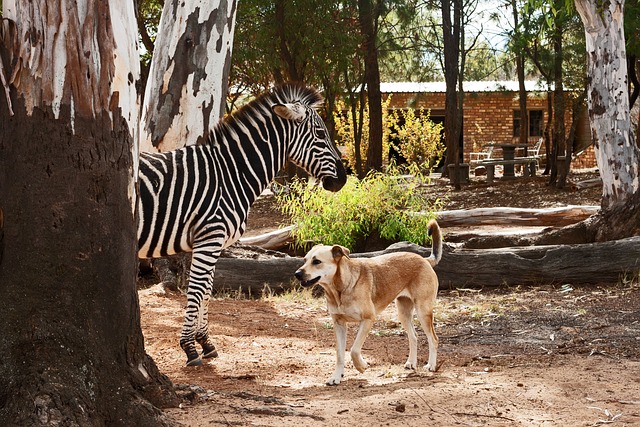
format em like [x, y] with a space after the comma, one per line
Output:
[509, 160]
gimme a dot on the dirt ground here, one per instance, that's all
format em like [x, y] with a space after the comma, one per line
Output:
[553, 355]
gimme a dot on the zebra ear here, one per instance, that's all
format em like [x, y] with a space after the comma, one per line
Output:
[290, 111]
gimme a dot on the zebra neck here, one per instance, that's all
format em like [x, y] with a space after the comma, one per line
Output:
[251, 153]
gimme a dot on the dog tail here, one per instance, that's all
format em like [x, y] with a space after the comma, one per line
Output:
[433, 230]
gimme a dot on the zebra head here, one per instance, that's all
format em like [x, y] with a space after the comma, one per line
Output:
[310, 146]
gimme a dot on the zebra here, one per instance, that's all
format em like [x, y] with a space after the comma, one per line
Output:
[197, 198]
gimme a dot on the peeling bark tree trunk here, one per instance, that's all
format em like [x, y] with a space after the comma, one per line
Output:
[188, 80]
[72, 346]
[616, 152]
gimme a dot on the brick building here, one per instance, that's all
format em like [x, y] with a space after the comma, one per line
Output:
[491, 113]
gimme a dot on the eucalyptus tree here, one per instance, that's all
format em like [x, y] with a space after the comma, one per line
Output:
[188, 80]
[617, 153]
[72, 345]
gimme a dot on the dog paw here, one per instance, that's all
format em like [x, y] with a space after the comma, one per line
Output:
[334, 380]
[430, 368]
[409, 365]
[360, 365]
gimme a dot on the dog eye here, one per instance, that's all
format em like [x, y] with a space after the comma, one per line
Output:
[316, 262]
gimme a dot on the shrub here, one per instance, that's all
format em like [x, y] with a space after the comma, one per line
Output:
[419, 139]
[346, 128]
[380, 203]
[416, 137]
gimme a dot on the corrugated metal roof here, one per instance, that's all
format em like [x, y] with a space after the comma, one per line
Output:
[488, 86]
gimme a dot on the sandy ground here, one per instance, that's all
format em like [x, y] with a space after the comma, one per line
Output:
[553, 355]
[549, 356]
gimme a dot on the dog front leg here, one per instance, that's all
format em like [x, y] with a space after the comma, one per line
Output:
[356, 356]
[341, 345]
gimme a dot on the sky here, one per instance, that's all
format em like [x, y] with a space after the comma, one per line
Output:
[492, 30]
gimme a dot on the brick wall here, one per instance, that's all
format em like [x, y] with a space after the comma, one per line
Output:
[585, 159]
[488, 117]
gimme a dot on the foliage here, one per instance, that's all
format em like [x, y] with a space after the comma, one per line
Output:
[385, 203]
[485, 62]
[313, 41]
[539, 21]
[410, 132]
[347, 126]
[417, 138]
[406, 48]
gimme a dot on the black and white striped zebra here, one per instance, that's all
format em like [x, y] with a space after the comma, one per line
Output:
[197, 198]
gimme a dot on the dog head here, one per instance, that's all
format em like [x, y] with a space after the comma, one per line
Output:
[320, 265]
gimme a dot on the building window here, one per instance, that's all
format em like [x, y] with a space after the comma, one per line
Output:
[535, 122]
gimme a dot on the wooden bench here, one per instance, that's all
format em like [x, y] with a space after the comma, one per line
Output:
[530, 164]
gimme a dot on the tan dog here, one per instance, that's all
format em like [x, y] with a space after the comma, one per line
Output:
[357, 289]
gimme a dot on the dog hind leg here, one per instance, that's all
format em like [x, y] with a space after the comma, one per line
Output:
[341, 346]
[425, 314]
[405, 314]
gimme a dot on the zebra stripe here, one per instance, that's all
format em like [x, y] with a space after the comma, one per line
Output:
[197, 198]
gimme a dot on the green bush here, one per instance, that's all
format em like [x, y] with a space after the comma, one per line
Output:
[419, 139]
[381, 203]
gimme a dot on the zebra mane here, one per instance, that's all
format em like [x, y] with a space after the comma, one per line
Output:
[296, 92]
[286, 93]
[282, 94]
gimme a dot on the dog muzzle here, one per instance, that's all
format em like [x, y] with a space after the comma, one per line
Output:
[304, 282]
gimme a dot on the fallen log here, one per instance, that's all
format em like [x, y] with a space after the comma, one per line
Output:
[604, 262]
[274, 240]
[550, 217]
[588, 183]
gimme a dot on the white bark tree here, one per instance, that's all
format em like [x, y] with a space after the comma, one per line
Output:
[189, 74]
[608, 100]
[72, 346]
[616, 153]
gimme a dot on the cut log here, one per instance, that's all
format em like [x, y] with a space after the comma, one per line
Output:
[604, 262]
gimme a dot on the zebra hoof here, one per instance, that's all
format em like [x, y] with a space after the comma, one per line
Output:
[194, 362]
[209, 351]
[193, 358]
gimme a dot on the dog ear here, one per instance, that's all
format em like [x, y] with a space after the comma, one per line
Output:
[339, 251]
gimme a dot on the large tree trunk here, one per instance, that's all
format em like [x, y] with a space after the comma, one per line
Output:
[72, 347]
[188, 81]
[608, 99]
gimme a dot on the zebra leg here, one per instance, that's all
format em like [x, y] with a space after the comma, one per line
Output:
[202, 333]
[199, 290]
